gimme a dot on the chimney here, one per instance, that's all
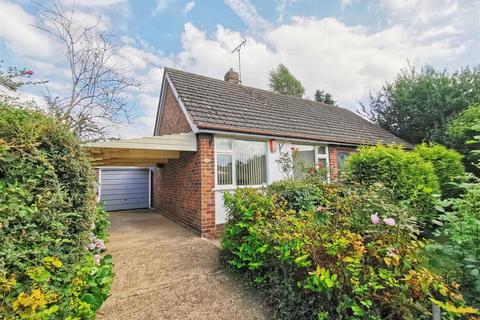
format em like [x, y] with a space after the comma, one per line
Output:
[232, 76]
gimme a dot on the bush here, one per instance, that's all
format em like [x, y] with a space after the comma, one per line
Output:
[448, 167]
[460, 136]
[411, 179]
[457, 253]
[49, 259]
[356, 256]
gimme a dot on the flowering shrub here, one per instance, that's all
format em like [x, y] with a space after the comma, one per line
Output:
[354, 254]
[48, 266]
[411, 178]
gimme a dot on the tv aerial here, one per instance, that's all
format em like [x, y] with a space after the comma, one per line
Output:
[238, 49]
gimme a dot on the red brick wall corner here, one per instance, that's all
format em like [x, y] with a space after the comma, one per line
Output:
[183, 189]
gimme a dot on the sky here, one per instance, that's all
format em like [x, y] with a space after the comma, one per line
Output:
[346, 47]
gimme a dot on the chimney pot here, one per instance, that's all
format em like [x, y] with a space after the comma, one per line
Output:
[232, 76]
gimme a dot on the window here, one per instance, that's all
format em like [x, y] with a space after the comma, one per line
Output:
[308, 157]
[240, 162]
[305, 158]
[341, 157]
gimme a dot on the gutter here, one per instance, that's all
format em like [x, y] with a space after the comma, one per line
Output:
[269, 135]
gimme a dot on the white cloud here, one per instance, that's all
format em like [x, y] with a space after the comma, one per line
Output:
[248, 13]
[188, 7]
[282, 5]
[19, 34]
[162, 5]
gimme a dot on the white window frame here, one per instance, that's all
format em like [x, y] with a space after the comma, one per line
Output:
[234, 171]
[325, 156]
[318, 155]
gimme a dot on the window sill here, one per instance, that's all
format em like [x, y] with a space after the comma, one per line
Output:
[231, 188]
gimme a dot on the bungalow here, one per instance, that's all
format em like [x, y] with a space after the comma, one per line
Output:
[212, 136]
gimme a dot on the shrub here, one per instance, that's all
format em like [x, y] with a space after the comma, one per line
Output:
[47, 215]
[448, 167]
[356, 256]
[411, 179]
[457, 253]
[461, 131]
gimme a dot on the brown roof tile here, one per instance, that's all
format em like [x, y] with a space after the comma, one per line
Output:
[222, 105]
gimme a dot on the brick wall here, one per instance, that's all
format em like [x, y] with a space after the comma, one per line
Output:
[182, 189]
[333, 151]
[172, 119]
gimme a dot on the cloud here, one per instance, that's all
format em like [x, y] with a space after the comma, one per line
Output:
[19, 34]
[282, 5]
[162, 5]
[188, 7]
[248, 13]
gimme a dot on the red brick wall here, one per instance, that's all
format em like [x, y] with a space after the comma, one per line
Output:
[182, 189]
[172, 119]
[333, 150]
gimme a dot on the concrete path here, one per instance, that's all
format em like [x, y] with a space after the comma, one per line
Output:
[164, 271]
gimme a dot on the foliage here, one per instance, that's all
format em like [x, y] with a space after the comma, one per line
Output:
[48, 265]
[417, 105]
[13, 79]
[457, 253]
[448, 167]
[324, 97]
[355, 256]
[411, 179]
[282, 81]
[461, 132]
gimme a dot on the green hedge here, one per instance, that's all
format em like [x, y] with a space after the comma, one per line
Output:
[411, 178]
[355, 256]
[447, 165]
[461, 131]
[50, 265]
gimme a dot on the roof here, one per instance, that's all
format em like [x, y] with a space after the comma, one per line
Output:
[146, 151]
[220, 105]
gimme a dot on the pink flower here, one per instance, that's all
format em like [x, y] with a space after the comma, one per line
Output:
[27, 72]
[99, 244]
[320, 209]
[389, 221]
[97, 258]
[91, 246]
[375, 219]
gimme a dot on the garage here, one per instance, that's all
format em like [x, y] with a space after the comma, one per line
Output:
[124, 188]
[123, 167]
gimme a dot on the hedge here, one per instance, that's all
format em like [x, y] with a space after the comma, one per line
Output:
[411, 178]
[356, 255]
[50, 265]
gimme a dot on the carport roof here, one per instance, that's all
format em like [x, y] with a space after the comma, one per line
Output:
[141, 152]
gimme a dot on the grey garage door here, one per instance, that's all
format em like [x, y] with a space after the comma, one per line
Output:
[124, 189]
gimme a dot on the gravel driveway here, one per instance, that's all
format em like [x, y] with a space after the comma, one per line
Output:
[164, 271]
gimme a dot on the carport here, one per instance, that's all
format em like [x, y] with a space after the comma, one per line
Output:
[124, 167]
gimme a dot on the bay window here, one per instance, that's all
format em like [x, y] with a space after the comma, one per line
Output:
[240, 162]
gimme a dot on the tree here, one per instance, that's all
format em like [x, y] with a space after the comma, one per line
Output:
[96, 98]
[282, 81]
[461, 132]
[417, 105]
[324, 97]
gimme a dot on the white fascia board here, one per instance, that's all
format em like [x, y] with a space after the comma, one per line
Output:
[278, 138]
[193, 126]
